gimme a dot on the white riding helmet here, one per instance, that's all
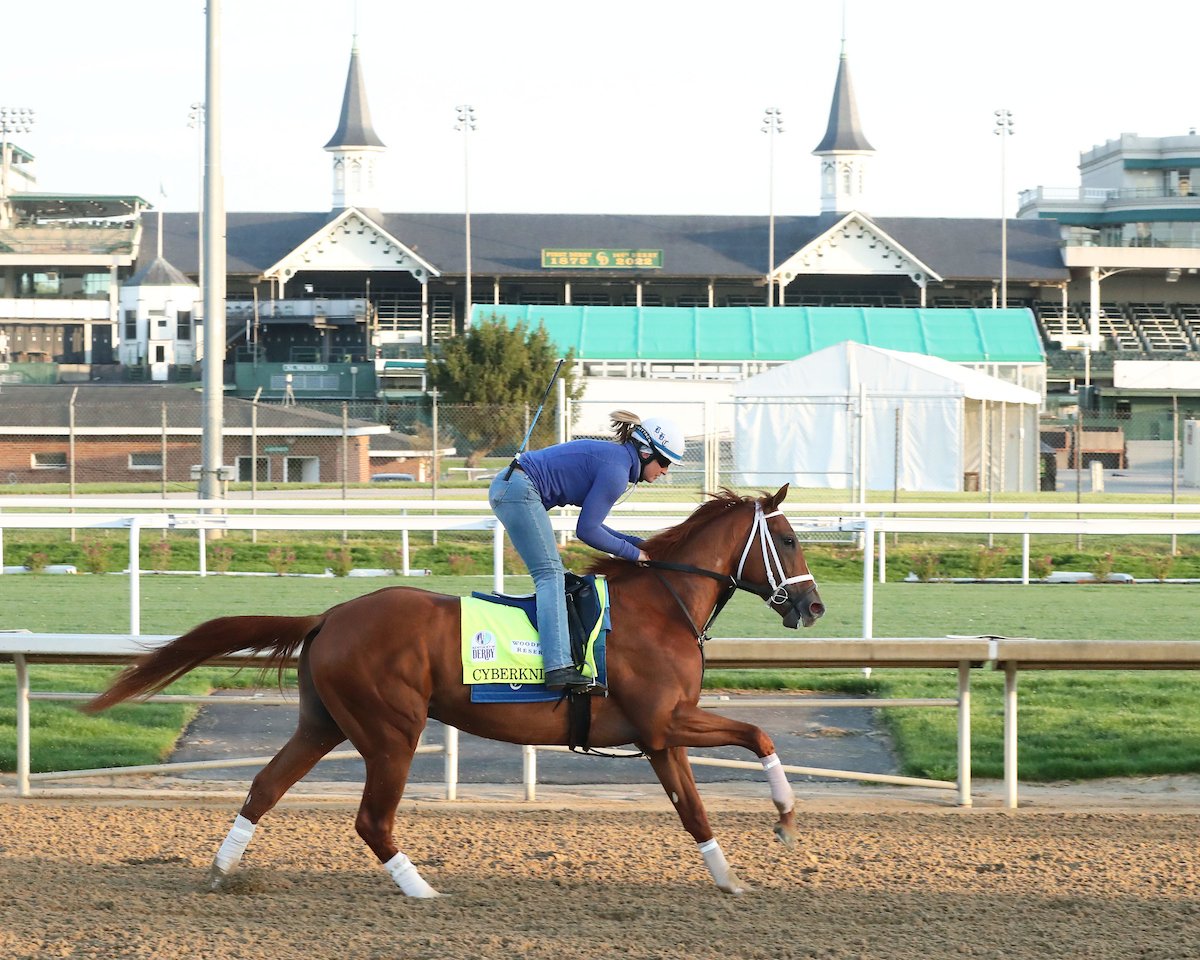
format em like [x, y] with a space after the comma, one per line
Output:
[662, 436]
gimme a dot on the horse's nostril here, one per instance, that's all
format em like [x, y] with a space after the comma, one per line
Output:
[817, 609]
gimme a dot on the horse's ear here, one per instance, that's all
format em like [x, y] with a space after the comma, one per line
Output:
[777, 499]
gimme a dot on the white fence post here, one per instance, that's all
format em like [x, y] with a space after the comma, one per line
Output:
[22, 725]
[964, 733]
[498, 556]
[135, 576]
[1010, 735]
[868, 601]
[529, 771]
[450, 748]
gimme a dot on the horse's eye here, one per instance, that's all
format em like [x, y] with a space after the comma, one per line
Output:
[789, 541]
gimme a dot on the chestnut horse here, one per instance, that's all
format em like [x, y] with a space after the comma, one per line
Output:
[373, 669]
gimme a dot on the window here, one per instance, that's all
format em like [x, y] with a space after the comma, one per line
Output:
[160, 353]
[183, 325]
[46, 284]
[146, 460]
[96, 284]
[48, 461]
[131, 325]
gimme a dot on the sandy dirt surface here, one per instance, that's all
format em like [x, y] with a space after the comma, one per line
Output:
[1108, 872]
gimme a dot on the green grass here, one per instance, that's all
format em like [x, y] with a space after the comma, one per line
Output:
[1074, 724]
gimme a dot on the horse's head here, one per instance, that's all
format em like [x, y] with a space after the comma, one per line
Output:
[773, 558]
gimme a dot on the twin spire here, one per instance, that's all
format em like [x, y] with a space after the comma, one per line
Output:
[845, 151]
[355, 145]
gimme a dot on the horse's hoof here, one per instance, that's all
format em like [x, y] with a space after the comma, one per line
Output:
[216, 879]
[733, 885]
[785, 835]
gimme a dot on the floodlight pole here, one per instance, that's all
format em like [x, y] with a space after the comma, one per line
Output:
[466, 124]
[1004, 130]
[12, 120]
[212, 447]
[772, 124]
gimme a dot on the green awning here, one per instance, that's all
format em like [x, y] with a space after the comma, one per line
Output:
[776, 334]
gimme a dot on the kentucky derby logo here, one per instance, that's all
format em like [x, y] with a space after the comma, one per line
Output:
[483, 647]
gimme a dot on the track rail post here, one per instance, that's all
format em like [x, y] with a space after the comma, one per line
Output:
[22, 725]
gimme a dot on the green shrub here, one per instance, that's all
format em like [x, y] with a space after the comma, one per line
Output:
[160, 554]
[97, 555]
[1102, 566]
[1041, 567]
[341, 561]
[988, 562]
[926, 565]
[36, 561]
[220, 557]
[1160, 565]
[281, 559]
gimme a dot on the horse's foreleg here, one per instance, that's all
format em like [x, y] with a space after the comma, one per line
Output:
[690, 726]
[675, 774]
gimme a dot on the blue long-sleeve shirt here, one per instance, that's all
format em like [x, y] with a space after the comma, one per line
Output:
[591, 475]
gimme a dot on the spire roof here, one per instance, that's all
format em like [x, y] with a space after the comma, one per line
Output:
[844, 131]
[159, 273]
[354, 125]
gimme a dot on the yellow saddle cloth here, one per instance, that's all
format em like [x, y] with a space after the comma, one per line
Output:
[500, 645]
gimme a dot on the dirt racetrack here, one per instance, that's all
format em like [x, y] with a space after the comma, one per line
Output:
[125, 878]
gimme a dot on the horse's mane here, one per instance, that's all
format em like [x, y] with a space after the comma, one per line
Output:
[667, 544]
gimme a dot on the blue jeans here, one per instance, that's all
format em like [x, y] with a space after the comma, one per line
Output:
[518, 506]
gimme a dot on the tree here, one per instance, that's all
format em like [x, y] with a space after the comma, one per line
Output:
[496, 375]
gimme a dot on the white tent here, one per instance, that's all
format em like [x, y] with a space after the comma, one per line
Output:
[855, 417]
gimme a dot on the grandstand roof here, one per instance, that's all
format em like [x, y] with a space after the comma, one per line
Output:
[777, 333]
[510, 244]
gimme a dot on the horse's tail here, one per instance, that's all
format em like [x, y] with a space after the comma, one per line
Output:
[224, 636]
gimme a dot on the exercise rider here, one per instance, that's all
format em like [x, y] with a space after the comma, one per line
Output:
[591, 475]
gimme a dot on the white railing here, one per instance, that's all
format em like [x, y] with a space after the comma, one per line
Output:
[24, 648]
[870, 521]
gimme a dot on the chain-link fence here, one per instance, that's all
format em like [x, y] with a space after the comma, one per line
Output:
[884, 448]
[874, 446]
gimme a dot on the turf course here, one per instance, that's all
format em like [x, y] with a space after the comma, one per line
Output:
[1074, 724]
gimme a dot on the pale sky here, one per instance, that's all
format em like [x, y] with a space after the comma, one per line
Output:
[651, 107]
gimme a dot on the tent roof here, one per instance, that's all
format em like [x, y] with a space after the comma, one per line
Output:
[777, 333]
[839, 371]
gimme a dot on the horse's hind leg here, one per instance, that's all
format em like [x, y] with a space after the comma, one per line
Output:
[316, 734]
[387, 741]
[675, 774]
[387, 772]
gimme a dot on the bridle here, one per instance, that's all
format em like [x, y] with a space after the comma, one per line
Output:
[775, 594]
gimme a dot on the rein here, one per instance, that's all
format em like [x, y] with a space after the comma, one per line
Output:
[776, 593]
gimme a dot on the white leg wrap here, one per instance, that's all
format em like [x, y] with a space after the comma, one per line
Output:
[407, 878]
[781, 790]
[234, 844]
[718, 867]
